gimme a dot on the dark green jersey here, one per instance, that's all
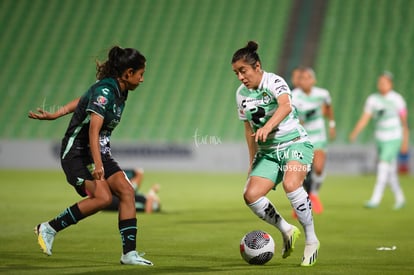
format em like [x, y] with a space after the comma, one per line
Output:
[105, 99]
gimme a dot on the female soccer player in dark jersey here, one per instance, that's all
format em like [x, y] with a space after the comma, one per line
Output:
[86, 153]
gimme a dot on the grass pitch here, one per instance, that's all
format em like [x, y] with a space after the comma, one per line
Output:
[200, 227]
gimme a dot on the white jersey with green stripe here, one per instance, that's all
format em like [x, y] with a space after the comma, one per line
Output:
[386, 111]
[309, 108]
[258, 106]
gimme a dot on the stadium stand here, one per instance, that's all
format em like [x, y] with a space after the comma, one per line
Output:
[49, 48]
[360, 40]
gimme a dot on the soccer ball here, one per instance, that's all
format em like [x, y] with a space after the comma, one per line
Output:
[257, 247]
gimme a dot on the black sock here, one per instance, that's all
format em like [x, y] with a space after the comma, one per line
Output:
[128, 230]
[69, 216]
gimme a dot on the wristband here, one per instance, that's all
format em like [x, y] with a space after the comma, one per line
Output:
[332, 124]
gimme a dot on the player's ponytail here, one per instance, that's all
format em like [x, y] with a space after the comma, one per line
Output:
[119, 60]
[248, 54]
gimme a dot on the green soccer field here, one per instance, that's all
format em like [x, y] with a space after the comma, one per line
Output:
[200, 227]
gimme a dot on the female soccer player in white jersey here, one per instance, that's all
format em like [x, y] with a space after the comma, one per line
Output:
[389, 111]
[279, 149]
[313, 104]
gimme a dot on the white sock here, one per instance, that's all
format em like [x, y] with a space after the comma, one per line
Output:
[395, 183]
[301, 204]
[316, 182]
[265, 210]
[383, 169]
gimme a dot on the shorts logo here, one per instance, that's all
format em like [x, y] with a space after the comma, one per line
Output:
[79, 181]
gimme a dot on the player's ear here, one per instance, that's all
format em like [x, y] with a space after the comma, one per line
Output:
[258, 66]
[129, 72]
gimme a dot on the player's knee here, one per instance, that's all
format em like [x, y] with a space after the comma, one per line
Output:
[104, 200]
[126, 191]
[250, 196]
[290, 185]
[318, 171]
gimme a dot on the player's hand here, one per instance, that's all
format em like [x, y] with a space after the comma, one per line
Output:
[98, 173]
[352, 137]
[262, 133]
[405, 148]
[332, 133]
[41, 115]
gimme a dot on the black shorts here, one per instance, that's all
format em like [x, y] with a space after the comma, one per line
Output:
[79, 168]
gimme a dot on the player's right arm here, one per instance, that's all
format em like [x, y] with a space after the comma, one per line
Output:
[42, 114]
[95, 126]
[361, 124]
[364, 119]
[251, 143]
[402, 111]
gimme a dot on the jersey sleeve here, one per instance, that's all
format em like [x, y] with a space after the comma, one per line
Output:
[369, 106]
[401, 106]
[99, 100]
[240, 108]
[279, 86]
[327, 98]
[294, 93]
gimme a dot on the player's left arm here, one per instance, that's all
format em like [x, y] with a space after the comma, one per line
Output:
[329, 114]
[406, 132]
[283, 110]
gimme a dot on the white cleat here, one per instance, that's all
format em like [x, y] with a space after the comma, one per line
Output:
[132, 258]
[45, 237]
[310, 255]
[289, 240]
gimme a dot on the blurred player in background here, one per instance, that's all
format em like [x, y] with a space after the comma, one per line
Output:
[295, 77]
[389, 111]
[313, 105]
[147, 203]
[86, 153]
[279, 149]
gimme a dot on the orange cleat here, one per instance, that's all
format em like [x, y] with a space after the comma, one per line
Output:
[294, 215]
[316, 203]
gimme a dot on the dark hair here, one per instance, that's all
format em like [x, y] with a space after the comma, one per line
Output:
[388, 75]
[119, 60]
[248, 54]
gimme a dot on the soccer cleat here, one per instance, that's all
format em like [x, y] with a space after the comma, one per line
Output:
[371, 205]
[132, 258]
[317, 206]
[310, 255]
[294, 215]
[289, 240]
[399, 205]
[45, 237]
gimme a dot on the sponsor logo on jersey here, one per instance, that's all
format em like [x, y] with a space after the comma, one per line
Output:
[101, 101]
[105, 91]
[281, 89]
[251, 102]
[117, 110]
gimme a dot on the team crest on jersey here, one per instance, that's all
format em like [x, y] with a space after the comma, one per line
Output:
[266, 98]
[117, 110]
